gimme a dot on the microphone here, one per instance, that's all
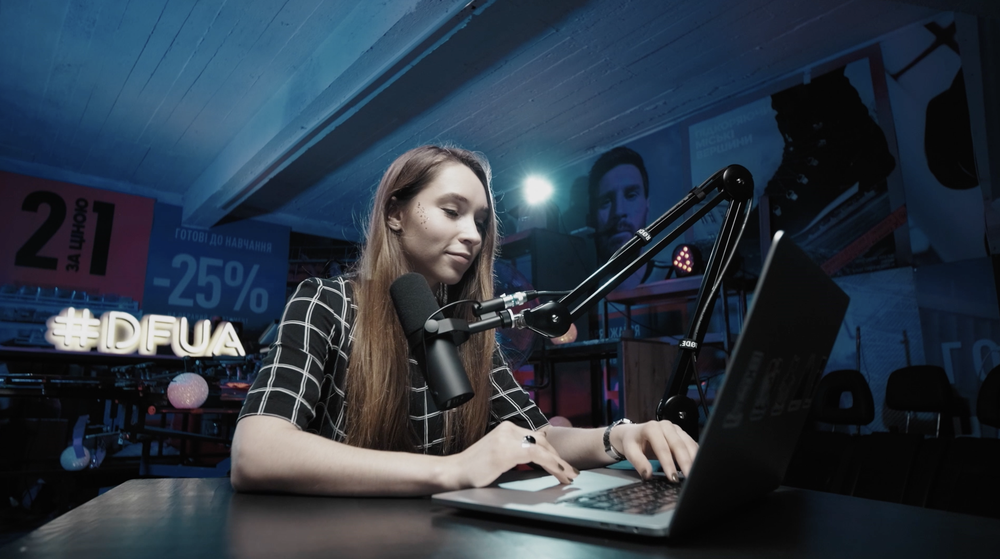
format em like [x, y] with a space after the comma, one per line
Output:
[437, 355]
[502, 302]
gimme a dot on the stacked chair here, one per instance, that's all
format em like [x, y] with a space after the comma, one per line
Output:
[936, 469]
[822, 458]
[900, 467]
[969, 479]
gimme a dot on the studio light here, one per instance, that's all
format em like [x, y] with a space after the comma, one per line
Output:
[687, 261]
[537, 190]
[536, 209]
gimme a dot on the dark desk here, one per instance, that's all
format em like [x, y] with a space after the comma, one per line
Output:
[184, 518]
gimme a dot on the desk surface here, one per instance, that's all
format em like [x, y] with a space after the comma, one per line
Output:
[184, 518]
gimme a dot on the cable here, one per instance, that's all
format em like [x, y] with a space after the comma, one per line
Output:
[449, 305]
[864, 361]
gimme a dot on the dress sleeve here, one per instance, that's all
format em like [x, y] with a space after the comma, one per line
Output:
[510, 402]
[310, 332]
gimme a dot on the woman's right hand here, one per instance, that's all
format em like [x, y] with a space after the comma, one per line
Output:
[504, 448]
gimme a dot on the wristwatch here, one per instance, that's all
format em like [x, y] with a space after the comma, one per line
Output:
[617, 456]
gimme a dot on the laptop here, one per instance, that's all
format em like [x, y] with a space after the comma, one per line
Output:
[749, 436]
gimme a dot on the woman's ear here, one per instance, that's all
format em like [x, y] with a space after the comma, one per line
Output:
[393, 216]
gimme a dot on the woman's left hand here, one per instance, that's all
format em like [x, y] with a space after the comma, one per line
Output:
[662, 440]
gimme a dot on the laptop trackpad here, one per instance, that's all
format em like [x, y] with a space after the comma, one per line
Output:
[585, 482]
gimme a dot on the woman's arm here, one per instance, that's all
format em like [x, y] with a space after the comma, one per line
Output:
[584, 448]
[271, 454]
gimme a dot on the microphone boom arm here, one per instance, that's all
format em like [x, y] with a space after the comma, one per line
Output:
[733, 183]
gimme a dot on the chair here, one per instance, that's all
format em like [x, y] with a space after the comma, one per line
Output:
[988, 402]
[822, 458]
[923, 388]
[969, 480]
[901, 467]
[826, 404]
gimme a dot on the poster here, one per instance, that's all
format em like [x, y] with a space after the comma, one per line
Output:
[822, 153]
[75, 238]
[235, 272]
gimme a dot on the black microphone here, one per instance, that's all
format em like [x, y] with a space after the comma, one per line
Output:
[437, 355]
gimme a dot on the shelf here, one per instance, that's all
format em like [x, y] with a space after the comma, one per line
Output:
[657, 291]
[22, 354]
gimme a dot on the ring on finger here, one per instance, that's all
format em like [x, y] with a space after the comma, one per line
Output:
[527, 441]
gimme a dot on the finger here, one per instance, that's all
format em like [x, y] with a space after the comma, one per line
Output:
[550, 462]
[543, 442]
[664, 451]
[633, 451]
[679, 445]
[691, 445]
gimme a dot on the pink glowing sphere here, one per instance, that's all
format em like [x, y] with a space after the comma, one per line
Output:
[187, 391]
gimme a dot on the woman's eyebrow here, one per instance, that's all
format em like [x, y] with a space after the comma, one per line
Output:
[455, 196]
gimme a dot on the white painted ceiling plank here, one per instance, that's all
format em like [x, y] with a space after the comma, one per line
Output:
[124, 50]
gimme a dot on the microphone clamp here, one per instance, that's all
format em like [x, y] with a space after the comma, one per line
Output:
[502, 302]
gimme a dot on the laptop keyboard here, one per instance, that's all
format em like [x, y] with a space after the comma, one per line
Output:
[649, 497]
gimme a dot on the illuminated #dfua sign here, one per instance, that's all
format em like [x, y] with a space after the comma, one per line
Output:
[121, 333]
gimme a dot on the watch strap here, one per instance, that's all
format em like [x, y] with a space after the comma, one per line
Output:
[612, 452]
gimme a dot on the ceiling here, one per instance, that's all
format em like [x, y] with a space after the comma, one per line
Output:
[289, 110]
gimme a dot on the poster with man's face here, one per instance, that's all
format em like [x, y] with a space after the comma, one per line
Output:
[622, 205]
[821, 149]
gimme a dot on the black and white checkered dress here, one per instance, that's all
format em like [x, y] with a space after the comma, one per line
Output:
[303, 376]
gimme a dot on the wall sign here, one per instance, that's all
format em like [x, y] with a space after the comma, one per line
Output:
[57, 234]
[121, 333]
[235, 271]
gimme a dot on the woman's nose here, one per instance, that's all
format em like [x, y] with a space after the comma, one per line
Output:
[470, 232]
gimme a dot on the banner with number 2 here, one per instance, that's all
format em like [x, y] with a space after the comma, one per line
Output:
[57, 234]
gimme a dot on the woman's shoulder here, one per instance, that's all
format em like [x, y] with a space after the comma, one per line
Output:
[338, 287]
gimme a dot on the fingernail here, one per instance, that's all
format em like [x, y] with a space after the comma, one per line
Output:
[561, 469]
[576, 471]
[675, 477]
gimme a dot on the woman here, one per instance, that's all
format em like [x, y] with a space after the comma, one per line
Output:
[311, 424]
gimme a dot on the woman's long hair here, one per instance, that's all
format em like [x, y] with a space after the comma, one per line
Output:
[378, 379]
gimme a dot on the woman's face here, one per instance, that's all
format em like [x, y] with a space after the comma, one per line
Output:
[441, 228]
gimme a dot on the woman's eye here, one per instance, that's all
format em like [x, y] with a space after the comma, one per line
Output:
[450, 212]
[481, 225]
